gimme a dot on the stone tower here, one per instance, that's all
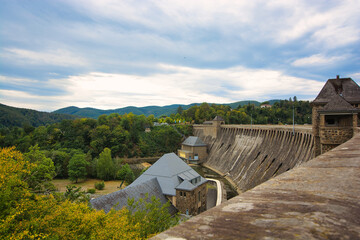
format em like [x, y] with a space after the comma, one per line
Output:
[335, 113]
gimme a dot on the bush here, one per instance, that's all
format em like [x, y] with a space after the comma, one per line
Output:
[100, 185]
[91, 190]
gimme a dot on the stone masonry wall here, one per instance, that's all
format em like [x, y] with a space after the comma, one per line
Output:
[335, 135]
[191, 201]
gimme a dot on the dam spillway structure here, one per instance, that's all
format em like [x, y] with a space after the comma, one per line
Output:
[250, 155]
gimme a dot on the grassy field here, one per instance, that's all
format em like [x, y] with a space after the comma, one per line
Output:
[110, 186]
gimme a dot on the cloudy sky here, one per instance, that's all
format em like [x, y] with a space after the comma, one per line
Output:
[110, 53]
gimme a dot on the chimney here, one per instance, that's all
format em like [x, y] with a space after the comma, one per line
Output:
[337, 76]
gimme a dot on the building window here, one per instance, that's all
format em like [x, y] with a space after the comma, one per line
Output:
[331, 121]
[199, 195]
[184, 194]
[181, 193]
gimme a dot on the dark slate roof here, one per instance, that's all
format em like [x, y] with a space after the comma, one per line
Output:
[194, 142]
[119, 199]
[169, 171]
[344, 87]
[338, 104]
[218, 118]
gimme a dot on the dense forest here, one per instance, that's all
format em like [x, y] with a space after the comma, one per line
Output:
[19, 117]
[122, 136]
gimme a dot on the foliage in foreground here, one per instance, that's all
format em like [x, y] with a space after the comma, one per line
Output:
[25, 215]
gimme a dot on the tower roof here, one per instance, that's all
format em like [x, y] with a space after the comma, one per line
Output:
[346, 88]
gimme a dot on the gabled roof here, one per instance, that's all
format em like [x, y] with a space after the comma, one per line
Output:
[194, 142]
[169, 171]
[119, 198]
[344, 87]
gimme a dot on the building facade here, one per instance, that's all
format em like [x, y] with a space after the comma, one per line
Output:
[193, 150]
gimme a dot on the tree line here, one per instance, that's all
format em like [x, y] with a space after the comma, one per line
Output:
[85, 140]
[280, 112]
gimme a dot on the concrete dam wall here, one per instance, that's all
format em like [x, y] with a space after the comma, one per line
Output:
[250, 155]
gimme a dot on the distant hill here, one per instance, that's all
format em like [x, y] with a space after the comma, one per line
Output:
[11, 117]
[156, 110]
[95, 113]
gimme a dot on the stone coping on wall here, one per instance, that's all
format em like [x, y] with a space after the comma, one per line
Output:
[298, 128]
[318, 200]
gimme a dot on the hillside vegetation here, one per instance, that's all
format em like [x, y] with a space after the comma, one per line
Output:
[19, 117]
[147, 111]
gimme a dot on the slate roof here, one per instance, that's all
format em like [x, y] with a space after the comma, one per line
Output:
[170, 171]
[118, 199]
[194, 142]
[162, 178]
[344, 87]
[186, 185]
[338, 104]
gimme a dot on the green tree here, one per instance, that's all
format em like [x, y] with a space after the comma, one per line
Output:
[77, 167]
[105, 165]
[125, 173]
[41, 172]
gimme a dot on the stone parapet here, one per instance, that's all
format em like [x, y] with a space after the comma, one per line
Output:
[318, 200]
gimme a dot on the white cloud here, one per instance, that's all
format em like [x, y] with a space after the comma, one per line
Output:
[17, 81]
[328, 24]
[318, 60]
[178, 85]
[58, 57]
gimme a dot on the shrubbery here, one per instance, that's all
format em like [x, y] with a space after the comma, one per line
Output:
[100, 185]
[91, 190]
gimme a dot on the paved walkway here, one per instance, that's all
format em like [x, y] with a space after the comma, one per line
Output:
[219, 190]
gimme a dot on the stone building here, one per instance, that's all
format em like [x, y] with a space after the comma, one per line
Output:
[169, 179]
[193, 150]
[335, 113]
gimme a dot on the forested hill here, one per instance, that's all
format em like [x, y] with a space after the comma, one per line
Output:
[155, 110]
[19, 117]
[95, 113]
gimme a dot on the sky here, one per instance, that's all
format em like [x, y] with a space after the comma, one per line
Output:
[110, 54]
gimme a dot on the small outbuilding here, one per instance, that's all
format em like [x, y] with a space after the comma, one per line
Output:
[193, 150]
